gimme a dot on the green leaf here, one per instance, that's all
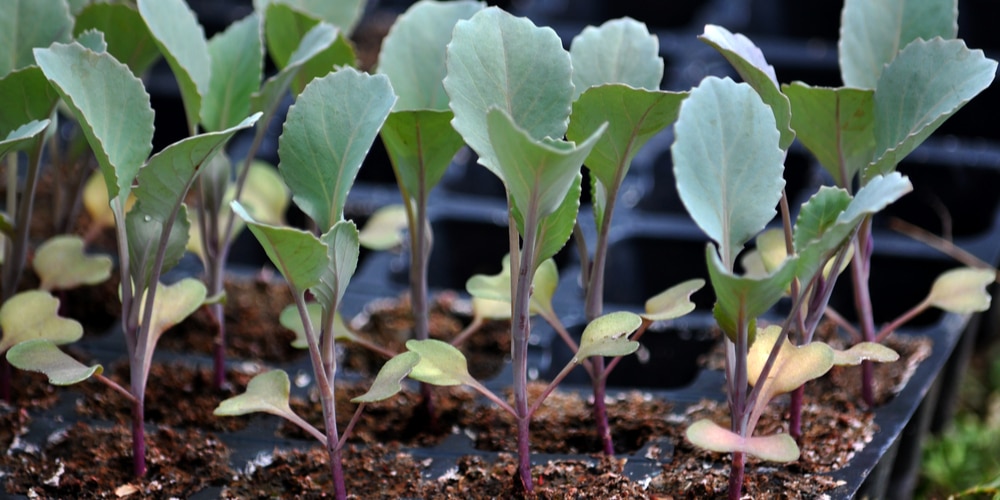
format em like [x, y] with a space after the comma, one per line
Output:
[171, 305]
[342, 260]
[26, 24]
[872, 33]
[285, 26]
[710, 436]
[93, 40]
[922, 87]
[619, 51]
[343, 14]
[34, 314]
[291, 319]
[962, 290]
[385, 228]
[237, 66]
[314, 42]
[413, 53]
[300, 256]
[127, 36]
[745, 297]
[834, 122]
[327, 135]
[440, 363]
[498, 60]
[23, 136]
[33, 94]
[421, 145]
[794, 365]
[864, 351]
[110, 104]
[387, 382]
[729, 179]
[819, 214]
[181, 40]
[749, 62]
[41, 355]
[555, 230]
[266, 392]
[497, 287]
[673, 302]
[608, 336]
[61, 264]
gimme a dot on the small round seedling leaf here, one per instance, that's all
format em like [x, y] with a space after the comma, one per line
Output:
[61, 264]
[34, 314]
[387, 382]
[266, 392]
[673, 302]
[291, 319]
[41, 355]
[497, 287]
[440, 363]
[172, 304]
[490, 309]
[710, 436]
[864, 351]
[384, 230]
[608, 336]
[794, 366]
[962, 290]
[264, 193]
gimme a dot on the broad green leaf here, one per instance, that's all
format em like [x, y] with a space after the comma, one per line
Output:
[342, 260]
[555, 230]
[33, 94]
[608, 336]
[314, 42]
[498, 60]
[171, 305]
[745, 297]
[327, 135]
[497, 287]
[962, 290]
[300, 256]
[710, 436]
[41, 355]
[343, 14]
[61, 263]
[34, 314]
[729, 180]
[145, 233]
[385, 228]
[237, 66]
[285, 27]
[749, 62]
[27, 24]
[538, 174]
[23, 137]
[673, 302]
[864, 351]
[291, 319]
[794, 365]
[388, 381]
[421, 145]
[633, 116]
[181, 40]
[619, 51]
[127, 36]
[266, 392]
[440, 363]
[834, 123]
[818, 215]
[110, 104]
[920, 89]
[872, 33]
[413, 53]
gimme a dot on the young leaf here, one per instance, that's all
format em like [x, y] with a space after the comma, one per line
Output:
[110, 104]
[673, 302]
[794, 366]
[343, 14]
[864, 351]
[291, 319]
[749, 62]
[34, 96]
[384, 229]
[27, 24]
[61, 263]
[608, 336]
[920, 89]
[619, 51]
[34, 314]
[421, 145]
[315, 41]
[182, 42]
[413, 53]
[342, 260]
[834, 123]
[440, 363]
[93, 40]
[493, 61]
[745, 297]
[300, 256]
[42, 355]
[127, 36]
[23, 136]
[266, 392]
[710, 436]
[819, 214]
[327, 134]
[555, 229]
[145, 235]
[285, 26]
[872, 33]
[497, 287]
[962, 290]
[237, 66]
[387, 382]
[729, 180]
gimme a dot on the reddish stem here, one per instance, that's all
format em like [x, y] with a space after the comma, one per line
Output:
[5, 376]
[138, 438]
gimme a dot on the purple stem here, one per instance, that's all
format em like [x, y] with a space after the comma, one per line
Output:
[736, 474]
[863, 303]
[520, 331]
[138, 432]
[5, 377]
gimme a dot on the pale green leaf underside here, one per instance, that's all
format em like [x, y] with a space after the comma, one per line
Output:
[673, 302]
[619, 51]
[497, 287]
[608, 336]
[291, 319]
[298, 254]
[61, 264]
[440, 363]
[41, 355]
[267, 392]
[710, 436]
[864, 351]
[34, 314]
[388, 381]
[794, 365]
